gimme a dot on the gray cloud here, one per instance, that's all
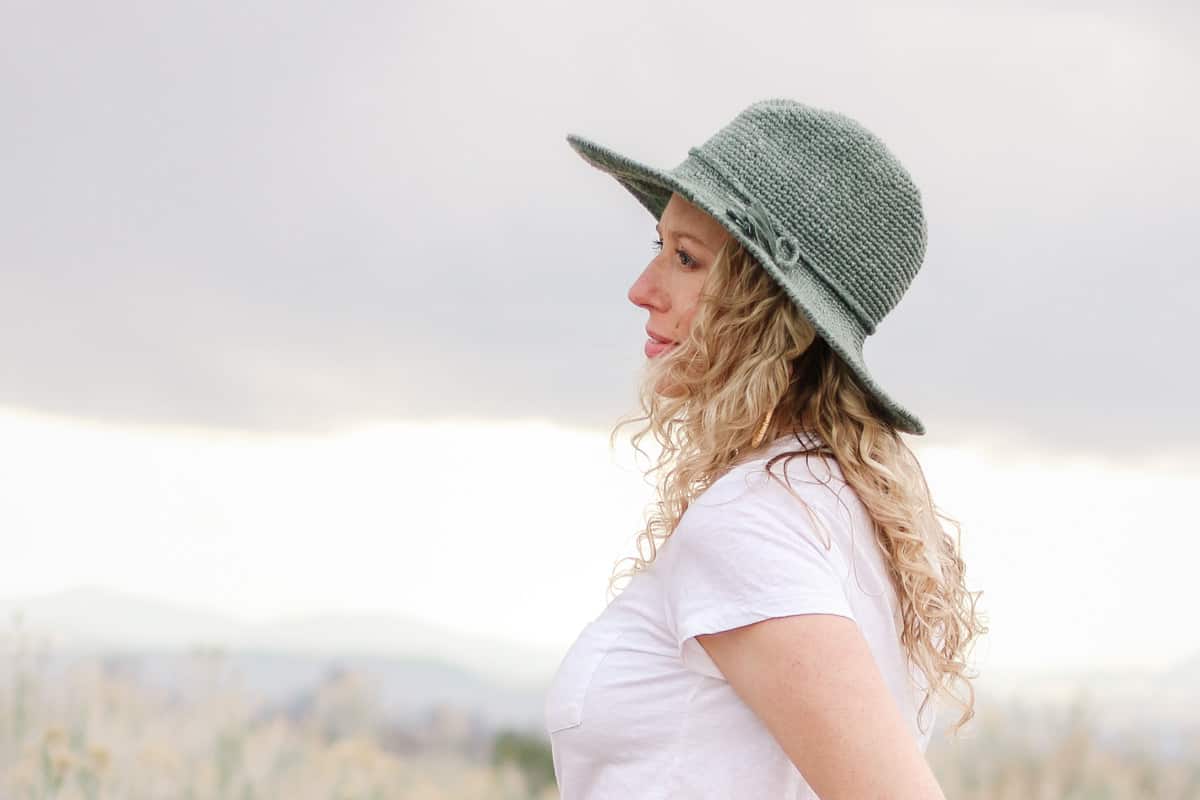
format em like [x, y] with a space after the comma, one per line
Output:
[308, 216]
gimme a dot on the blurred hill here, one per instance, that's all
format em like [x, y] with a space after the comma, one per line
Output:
[90, 618]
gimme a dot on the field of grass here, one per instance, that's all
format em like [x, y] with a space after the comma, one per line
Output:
[94, 732]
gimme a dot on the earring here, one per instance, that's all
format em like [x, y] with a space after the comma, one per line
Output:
[758, 437]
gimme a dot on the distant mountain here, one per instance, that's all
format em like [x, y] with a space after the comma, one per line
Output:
[403, 691]
[92, 618]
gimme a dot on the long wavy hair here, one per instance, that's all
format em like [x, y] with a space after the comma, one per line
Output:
[751, 356]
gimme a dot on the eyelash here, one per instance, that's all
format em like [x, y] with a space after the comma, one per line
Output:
[657, 244]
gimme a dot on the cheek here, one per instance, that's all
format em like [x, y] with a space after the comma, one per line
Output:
[687, 299]
[693, 286]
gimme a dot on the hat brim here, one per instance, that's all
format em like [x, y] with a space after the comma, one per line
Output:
[653, 188]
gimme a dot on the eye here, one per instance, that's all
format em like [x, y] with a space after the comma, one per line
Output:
[657, 244]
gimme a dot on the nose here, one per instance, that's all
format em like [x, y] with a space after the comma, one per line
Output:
[647, 292]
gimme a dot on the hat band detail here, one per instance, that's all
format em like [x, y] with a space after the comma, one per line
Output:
[753, 222]
[784, 249]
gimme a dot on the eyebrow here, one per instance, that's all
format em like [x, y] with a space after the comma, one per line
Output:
[684, 236]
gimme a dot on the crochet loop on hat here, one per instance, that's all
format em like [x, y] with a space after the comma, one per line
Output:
[753, 221]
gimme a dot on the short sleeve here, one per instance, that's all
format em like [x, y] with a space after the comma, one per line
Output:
[745, 551]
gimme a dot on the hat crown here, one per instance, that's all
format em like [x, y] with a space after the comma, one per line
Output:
[818, 200]
[825, 186]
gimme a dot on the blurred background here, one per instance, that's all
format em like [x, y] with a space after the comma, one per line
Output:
[314, 330]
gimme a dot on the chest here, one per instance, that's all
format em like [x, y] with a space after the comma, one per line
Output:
[622, 673]
[623, 710]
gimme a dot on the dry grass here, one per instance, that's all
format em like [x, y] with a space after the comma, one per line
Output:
[1056, 753]
[91, 735]
[95, 733]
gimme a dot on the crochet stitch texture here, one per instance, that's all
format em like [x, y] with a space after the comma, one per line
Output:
[822, 204]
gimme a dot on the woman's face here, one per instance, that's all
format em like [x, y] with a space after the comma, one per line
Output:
[669, 286]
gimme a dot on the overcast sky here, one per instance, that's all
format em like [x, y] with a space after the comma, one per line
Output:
[307, 215]
[305, 218]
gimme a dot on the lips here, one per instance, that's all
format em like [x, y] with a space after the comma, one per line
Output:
[660, 339]
[657, 345]
[655, 348]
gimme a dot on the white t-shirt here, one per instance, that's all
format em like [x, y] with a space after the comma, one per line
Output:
[638, 711]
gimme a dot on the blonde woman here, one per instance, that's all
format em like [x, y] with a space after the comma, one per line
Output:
[798, 606]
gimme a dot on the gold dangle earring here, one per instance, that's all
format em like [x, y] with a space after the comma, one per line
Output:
[758, 437]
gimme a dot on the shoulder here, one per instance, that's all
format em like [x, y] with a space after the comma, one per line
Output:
[768, 486]
[797, 510]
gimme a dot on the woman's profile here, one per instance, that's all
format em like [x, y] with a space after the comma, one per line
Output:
[796, 605]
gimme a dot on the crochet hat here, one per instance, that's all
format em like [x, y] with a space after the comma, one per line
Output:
[818, 200]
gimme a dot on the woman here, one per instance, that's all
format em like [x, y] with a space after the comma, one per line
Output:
[796, 616]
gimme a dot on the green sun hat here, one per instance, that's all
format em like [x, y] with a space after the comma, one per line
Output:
[820, 202]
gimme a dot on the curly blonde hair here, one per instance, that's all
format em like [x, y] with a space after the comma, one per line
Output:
[751, 355]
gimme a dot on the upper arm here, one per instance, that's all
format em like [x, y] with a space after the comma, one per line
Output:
[756, 595]
[746, 553]
[813, 681]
